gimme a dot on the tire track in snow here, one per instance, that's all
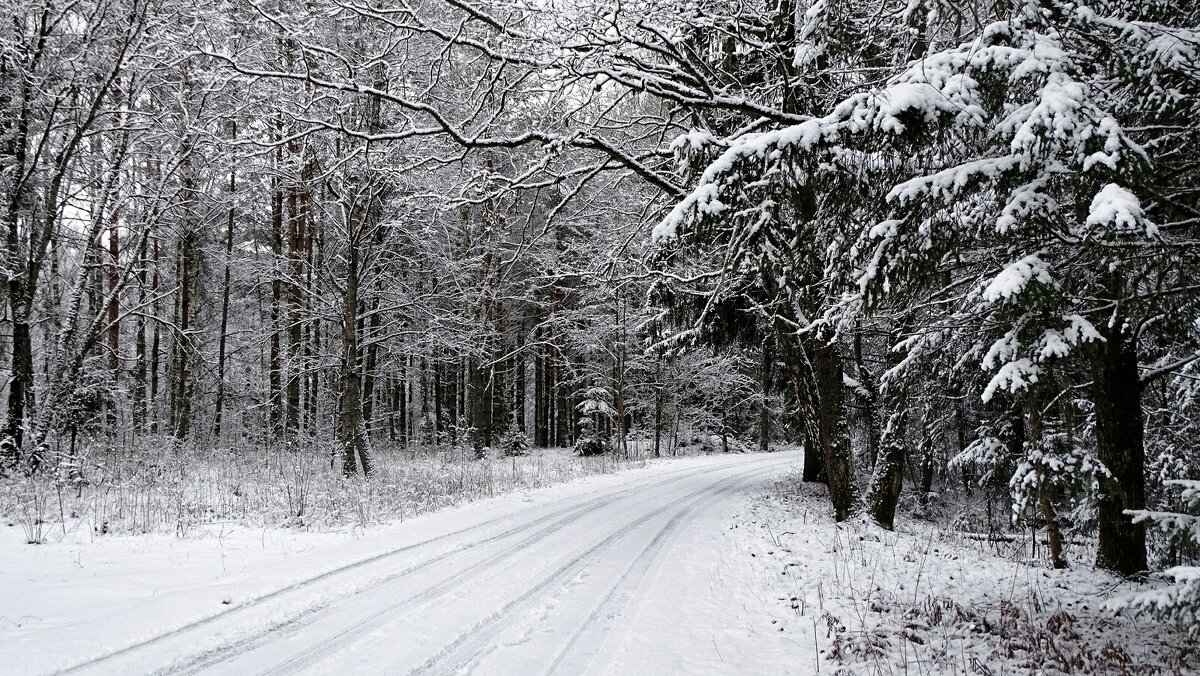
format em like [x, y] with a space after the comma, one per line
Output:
[228, 613]
[587, 641]
[366, 625]
[228, 652]
[434, 591]
[471, 645]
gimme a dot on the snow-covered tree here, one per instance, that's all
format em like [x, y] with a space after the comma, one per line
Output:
[1010, 184]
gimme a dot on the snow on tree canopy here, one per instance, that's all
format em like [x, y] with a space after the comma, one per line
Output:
[947, 184]
[1024, 131]
[809, 43]
[1025, 203]
[1013, 376]
[1116, 208]
[1057, 343]
[1016, 277]
[1059, 124]
[693, 141]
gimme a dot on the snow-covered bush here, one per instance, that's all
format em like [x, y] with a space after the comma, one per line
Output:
[514, 442]
[1179, 600]
[590, 441]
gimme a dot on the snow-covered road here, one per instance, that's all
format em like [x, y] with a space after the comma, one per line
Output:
[615, 579]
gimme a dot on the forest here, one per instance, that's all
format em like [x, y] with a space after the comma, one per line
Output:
[948, 247]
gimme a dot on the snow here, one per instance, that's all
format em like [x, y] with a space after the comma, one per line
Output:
[1058, 343]
[1025, 203]
[985, 452]
[854, 599]
[948, 183]
[1012, 376]
[1117, 208]
[1175, 50]
[693, 141]
[810, 44]
[1054, 344]
[1015, 277]
[1180, 599]
[719, 565]
[266, 591]
[904, 97]
[703, 200]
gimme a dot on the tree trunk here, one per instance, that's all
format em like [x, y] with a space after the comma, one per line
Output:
[1120, 430]
[139, 346]
[402, 402]
[20, 392]
[887, 475]
[928, 449]
[20, 387]
[350, 428]
[822, 424]
[764, 406]
[804, 387]
[450, 426]
[294, 321]
[53, 306]
[439, 394]
[521, 383]
[114, 264]
[868, 396]
[541, 435]
[480, 404]
[563, 420]
[156, 337]
[1037, 441]
[835, 439]
[960, 433]
[658, 404]
[219, 404]
[312, 340]
[275, 368]
[887, 479]
[114, 278]
[619, 395]
[371, 362]
[427, 437]
[185, 373]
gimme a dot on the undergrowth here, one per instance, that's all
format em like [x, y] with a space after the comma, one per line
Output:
[176, 488]
[925, 600]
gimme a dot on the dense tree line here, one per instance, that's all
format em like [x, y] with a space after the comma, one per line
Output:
[957, 240]
[269, 223]
[1010, 216]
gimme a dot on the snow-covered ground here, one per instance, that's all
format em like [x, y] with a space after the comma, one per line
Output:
[437, 590]
[857, 599]
[699, 566]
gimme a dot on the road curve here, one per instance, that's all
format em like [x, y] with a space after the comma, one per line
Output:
[537, 591]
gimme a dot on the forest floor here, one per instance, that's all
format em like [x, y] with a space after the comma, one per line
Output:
[705, 565]
[927, 600]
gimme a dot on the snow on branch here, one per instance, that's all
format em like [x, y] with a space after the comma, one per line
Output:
[1179, 600]
[1116, 209]
[1059, 129]
[1016, 277]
